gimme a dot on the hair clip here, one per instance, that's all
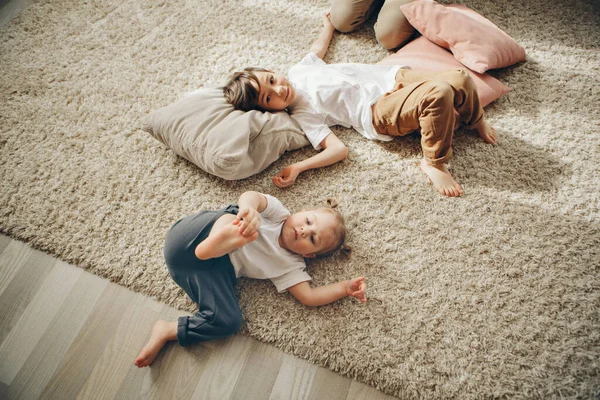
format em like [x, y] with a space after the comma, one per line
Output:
[346, 250]
[332, 202]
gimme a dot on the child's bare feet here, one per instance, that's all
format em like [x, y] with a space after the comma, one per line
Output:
[223, 238]
[441, 179]
[229, 238]
[162, 332]
[486, 131]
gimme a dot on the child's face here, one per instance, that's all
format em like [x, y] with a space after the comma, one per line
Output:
[276, 93]
[308, 232]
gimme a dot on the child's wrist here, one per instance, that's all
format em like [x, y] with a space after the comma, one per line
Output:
[347, 287]
[245, 207]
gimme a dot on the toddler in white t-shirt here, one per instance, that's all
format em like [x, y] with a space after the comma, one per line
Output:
[258, 238]
[379, 101]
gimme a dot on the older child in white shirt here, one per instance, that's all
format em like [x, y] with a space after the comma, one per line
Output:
[258, 238]
[379, 101]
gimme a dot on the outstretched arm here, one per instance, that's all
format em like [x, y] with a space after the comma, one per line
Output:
[322, 295]
[333, 151]
[319, 47]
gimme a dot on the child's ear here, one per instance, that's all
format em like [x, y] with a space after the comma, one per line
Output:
[311, 255]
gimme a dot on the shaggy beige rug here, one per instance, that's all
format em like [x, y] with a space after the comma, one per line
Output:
[494, 294]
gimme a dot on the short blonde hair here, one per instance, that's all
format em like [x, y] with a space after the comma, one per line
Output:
[338, 231]
[243, 89]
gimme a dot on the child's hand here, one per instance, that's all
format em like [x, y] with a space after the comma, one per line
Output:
[232, 237]
[248, 221]
[357, 288]
[286, 177]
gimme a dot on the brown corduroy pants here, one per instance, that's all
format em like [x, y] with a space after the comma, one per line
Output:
[427, 100]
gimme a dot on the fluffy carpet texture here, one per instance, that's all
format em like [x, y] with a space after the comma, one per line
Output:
[494, 294]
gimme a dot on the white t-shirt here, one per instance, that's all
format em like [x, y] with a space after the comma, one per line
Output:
[264, 258]
[338, 94]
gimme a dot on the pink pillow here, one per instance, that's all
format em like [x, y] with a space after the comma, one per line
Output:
[422, 55]
[473, 39]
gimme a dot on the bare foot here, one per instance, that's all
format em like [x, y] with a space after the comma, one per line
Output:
[441, 179]
[486, 131]
[162, 332]
[223, 239]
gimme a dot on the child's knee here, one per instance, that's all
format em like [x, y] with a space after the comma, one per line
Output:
[461, 79]
[440, 93]
[390, 36]
[392, 28]
[347, 15]
[230, 324]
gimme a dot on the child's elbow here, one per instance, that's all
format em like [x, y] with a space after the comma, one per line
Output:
[342, 151]
[305, 299]
[345, 151]
[307, 302]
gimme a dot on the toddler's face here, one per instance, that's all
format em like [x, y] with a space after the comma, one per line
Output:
[276, 93]
[308, 232]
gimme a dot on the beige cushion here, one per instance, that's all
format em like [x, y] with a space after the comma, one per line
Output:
[205, 129]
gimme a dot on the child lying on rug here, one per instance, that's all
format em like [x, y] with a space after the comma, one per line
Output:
[258, 238]
[379, 101]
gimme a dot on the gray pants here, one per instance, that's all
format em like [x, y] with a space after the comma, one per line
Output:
[209, 283]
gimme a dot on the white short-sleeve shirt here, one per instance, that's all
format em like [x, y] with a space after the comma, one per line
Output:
[264, 258]
[338, 94]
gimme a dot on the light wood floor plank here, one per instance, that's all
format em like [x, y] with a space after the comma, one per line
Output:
[360, 391]
[3, 391]
[11, 260]
[180, 370]
[146, 382]
[4, 241]
[28, 330]
[270, 351]
[258, 378]
[329, 385]
[227, 361]
[10, 9]
[47, 354]
[294, 380]
[89, 345]
[25, 284]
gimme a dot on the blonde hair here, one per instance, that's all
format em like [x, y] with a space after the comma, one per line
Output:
[243, 89]
[338, 231]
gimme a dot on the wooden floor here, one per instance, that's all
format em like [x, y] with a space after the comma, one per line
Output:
[67, 334]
